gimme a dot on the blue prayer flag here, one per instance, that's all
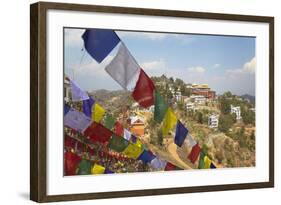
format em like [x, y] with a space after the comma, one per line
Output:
[146, 156]
[99, 42]
[87, 106]
[107, 171]
[134, 139]
[181, 133]
[212, 166]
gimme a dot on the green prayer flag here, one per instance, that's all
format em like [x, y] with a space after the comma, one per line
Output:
[118, 144]
[109, 121]
[160, 107]
[201, 163]
[84, 167]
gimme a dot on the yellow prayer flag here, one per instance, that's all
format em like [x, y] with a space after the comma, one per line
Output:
[97, 113]
[169, 122]
[133, 151]
[207, 162]
[97, 169]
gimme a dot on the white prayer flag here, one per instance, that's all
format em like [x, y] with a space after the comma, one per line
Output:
[77, 93]
[191, 141]
[127, 134]
[157, 163]
[123, 68]
[76, 120]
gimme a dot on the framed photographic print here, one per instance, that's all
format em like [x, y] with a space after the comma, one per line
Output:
[135, 102]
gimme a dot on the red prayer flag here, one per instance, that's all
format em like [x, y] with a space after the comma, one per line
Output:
[69, 142]
[98, 133]
[169, 166]
[119, 130]
[71, 162]
[194, 153]
[143, 92]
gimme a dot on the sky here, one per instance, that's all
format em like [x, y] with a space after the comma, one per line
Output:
[225, 63]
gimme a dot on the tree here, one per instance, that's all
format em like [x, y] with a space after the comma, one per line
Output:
[225, 122]
[199, 117]
[224, 105]
[248, 117]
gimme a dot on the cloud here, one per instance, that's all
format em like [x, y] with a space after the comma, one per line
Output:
[196, 69]
[152, 65]
[248, 68]
[145, 35]
[72, 37]
[217, 65]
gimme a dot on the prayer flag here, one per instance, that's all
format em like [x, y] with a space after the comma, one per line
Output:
[97, 113]
[87, 106]
[127, 134]
[97, 169]
[213, 166]
[118, 144]
[133, 151]
[169, 167]
[191, 141]
[181, 133]
[107, 171]
[97, 132]
[69, 142]
[71, 162]
[169, 122]
[160, 107]
[77, 94]
[157, 163]
[76, 120]
[119, 130]
[194, 153]
[201, 163]
[134, 139]
[66, 109]
[207, 162]
[146, 156]
[99, 42]
[143, 91]
[123, 68]
[109, 121]
[84, 167]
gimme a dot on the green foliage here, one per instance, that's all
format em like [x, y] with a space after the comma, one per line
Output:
[248, 116]
[225, 122]
[199, 117]
[225, 105]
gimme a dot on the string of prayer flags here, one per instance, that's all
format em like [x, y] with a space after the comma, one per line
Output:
[127, 134]
[98, 112]
[118, 144]
[181, 133]
[207, 162]
[143, 91]
[133, 151]
[97, 169]
[66, 108]
[118, 128]
[123, 68]
[169, 122]
[99, 42]
[201, 163]
[195, 151]
[212, 166]
[133, 139]
[160, 107]
[87, 106]
[71, 162]
[98, 133]
[146, 156]
[109, 121]
[77, 94]
[84, 167]
[76, 120]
